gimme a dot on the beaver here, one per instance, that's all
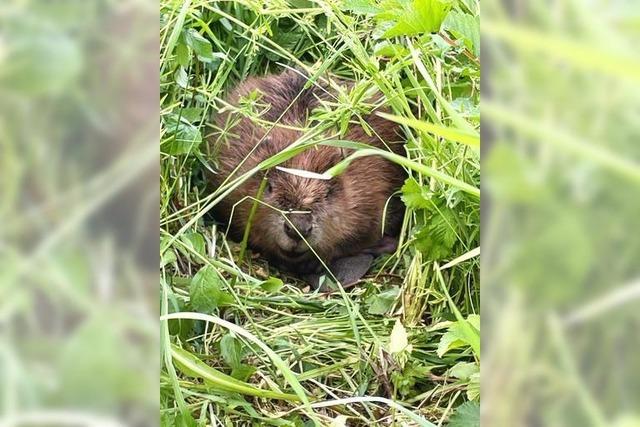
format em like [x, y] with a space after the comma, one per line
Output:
[303, 220]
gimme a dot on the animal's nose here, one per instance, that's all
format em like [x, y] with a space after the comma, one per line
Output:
[299, 226]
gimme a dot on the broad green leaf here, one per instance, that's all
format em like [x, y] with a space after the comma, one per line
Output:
[413, 17]
[231, 351]
[383, 302]
[399, 341]
[448, 341]
[182, 137]
[413, 195]
[390, 50]
[461, 333]
[182, 54]
[167, 257]
[200, 45]
[194, 242]
[272, 284]
[466, 415]
[466, 28]
[206, 292]
[436, 238]
[463, 370]
[473, 388]
[362, 6]
[243, 372]
[181, 78]
[474, 320]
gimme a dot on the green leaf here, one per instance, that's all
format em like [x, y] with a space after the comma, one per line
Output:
[184, 419]
[463, 370]
[473, 389]
[383, 302]
[466, 415]
[413, 17]
[448, 341]
[272, 284]
[461, 333]
[182, 136]
[243, 372]
[205, 291]
[399, 340]
[182, 55]
[200, 45]
[436, 238]
[167, 257]
[231, 351]
[474, 320]
[363, 7]
[413, 195]
[194, 242]
[390, 50]
[466, 28]
[181, 78]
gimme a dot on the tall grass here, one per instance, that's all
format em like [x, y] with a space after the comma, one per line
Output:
[245, 344]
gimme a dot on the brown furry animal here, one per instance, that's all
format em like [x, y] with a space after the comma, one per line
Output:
[338, 218]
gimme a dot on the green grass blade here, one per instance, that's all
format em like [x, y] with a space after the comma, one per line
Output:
[192, 366]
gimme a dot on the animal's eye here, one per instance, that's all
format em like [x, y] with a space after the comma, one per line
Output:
[267, 188]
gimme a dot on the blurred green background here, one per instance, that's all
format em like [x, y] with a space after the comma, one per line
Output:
[561, 213]
[78, 212]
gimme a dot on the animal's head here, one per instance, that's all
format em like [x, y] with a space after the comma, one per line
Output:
[298, 213]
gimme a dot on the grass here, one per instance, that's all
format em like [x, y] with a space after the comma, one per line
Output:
[244, 344]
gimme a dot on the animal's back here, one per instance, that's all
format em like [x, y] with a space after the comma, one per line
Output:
[344, 215]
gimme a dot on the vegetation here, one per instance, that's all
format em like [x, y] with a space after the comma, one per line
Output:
[244, 344]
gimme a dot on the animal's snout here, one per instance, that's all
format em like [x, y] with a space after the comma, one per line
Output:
[300, 227]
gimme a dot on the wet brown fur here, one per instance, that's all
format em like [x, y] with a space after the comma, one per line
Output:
[346, 213]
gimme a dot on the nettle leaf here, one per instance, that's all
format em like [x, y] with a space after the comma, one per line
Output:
[466, 415]
[413, 17]
[460, 334]
[363, 7]
[436, 238]
[466, 28]
[414, 195]
[182, 136]
[383, 302]
[205, 291]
